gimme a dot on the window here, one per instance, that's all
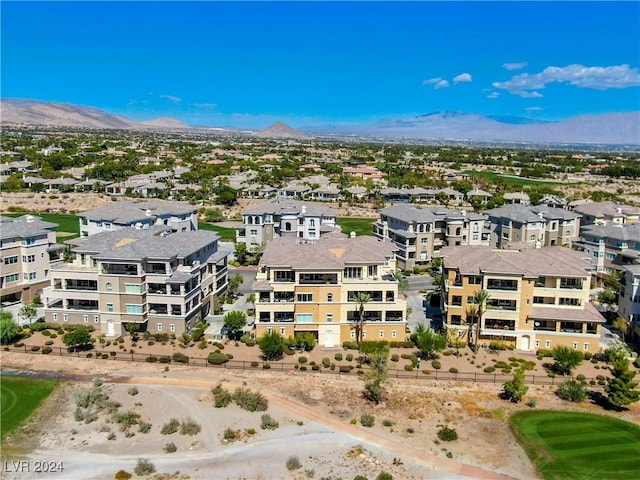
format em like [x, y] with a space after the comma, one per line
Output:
[159, 327]
[585, 346]
[475, 236]
[329, 317]
[373, 270]
[456, 300]
[312, 223]
[364, 334]
[475, 280]
[65, 317]
[424, 240]
[28, 258]
[12, 278]
[547, 343]
[172, 327]
[537, 343]
[305, 318]
[109, 307]
[11, 260]
[380, 333]
[29, 241]
[352, 334]
[394, 333]
[253, 232]
[85, 318]
[133, 308]
[96, 319]
[353, 272]
[575, 345]
[132, 288]
[109, 287]
[570, 301]
[269, 330]
[54, 317]
[305, 297]
[283, 330]
[329, 297]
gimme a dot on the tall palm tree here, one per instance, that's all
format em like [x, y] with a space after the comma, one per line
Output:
[480, 298]
[361, 298]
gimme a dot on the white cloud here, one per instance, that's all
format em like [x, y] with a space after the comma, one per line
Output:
[597, 78]
[493, 95]
[206, 105]
[515, 66]
[534, 109]
[463, 77]
[437, 83]
[171, 98]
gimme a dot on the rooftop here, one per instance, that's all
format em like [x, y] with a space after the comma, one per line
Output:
[279, 206]
[24, 226]
[129, 212]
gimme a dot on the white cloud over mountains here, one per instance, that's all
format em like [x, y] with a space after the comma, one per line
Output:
[597, 78]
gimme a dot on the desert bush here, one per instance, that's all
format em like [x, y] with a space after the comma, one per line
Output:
[170, 427]
[436, 364]
[126, 419]
[169, 447]
[447, 434]
[144, 467]
[217, 358]
[533, 403]
[384, 476]
[338, 357]
[326, 362]
[453, 370]
[164, 359]
[572, 390]
[35, 348]
[302, 359]
[409, 367]
[250, 401]
[293, 463]
[122, 475]
[268, 423]
[189, 427]
[47, 350]
[367, 420]
[133, 391]
[345, 368]
[387, 423]
[588, 356]
[49, 342]
[229, 434]
[349, 357]
[350, 345]
[315, 368]
[221, 397]
[489, 369]
[144, 427]
[180, 358]
[395, 357]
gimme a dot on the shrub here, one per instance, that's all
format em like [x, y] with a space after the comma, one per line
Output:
[151, 359]
[345, 368]
[338, 357]
[581, 378]
[453, 370]
[367, 420]
[144, 427]
[315, 368]
[35, 348]
[144, 467]
[266, 366]
[293, 463]
[47, 350]
[349, 357]
[122, 475]
[133, 391]
[572, 390]
[447, 434]
[164, 359]
[326, 362]
[387, 423]
[221, 397]
[395, 357]
[170, 427]
[302, 359]
[217, 358]
[268, 423]
[384, 476]
[302, 368]
[409, 367]
[180, 358]
[489, 369]
[533, 403]
[350, 345]
[169, 447]
[229, 434]
[250, 401]
[189, 427]
[588, 355]
[436, 364]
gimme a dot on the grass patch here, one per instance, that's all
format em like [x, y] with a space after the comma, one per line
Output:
[19, 398]
[573, 445]
[226, 234]
[362, 226]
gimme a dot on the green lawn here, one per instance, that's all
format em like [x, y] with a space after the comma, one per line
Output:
[226, 234]
[19, 398]
[518, 181]
[66, 222]
[362, 226]
[573, 445]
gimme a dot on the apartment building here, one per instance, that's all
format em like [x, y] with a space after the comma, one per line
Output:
[142, 214]
[161, 280]
[538, 297]
[28, 252]
[310, 286]
[284, 218]
[607, 243]
[598, 213]
[629, 300]
[533, 224]
[420, 232]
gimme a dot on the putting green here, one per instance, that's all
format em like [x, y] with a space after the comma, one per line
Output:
[19, 398]
[574, 445]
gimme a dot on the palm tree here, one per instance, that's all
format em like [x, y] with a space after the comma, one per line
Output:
[480, 298]
[361, 298]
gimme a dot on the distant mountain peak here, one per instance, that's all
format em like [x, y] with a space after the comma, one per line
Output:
[282, 130]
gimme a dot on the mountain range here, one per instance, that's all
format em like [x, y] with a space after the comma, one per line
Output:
[607, 129]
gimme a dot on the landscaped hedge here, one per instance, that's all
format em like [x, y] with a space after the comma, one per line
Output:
[217, 358]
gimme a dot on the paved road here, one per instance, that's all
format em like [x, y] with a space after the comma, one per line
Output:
[420, 282]
[415, 301]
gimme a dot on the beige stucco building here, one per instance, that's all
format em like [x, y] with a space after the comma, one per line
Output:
[538, 298]
[304, 286]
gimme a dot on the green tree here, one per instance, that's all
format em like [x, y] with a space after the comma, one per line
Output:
[620, 324]
[272, 345]
[251, 298]
[132, 329]
[8, 327]
[28, 312]
[241, 253]
[77, 338]
[566, 359]
[234, 282]
[572, 390]
[235, 321]
[621, 389]
[377, 356]
[428, 341]
[515, 389]
[480, 298]
[361, 298]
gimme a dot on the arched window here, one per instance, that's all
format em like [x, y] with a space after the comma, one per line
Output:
[287, 226]
[250, 220]
[312, 223]
[329, 297]
[109, 287]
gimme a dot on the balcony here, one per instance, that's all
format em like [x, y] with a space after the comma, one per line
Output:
[82, 305]
[318, 279]
[118, 269]
[544, 326]
[509, 285]
[570, 327]
[283, 297]
[283, 317]
[85, 285]
[492, 324]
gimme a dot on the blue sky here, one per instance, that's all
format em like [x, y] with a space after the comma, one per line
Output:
[247, 64]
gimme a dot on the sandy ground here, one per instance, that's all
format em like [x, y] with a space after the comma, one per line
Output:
[314, 412]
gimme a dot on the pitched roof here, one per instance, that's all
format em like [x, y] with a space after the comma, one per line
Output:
[24, 226]
[129, 212]
[279, 206]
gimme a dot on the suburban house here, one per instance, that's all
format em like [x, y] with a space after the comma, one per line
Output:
[284, 218]
[608, 243]
[516, 198]
[629, 300]
[311, 287]
[607, 212]
[155, 278]
[419, 232]
[179, 216]
[29, 251]
[538, 297]
[480, 195]
[533, 224]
